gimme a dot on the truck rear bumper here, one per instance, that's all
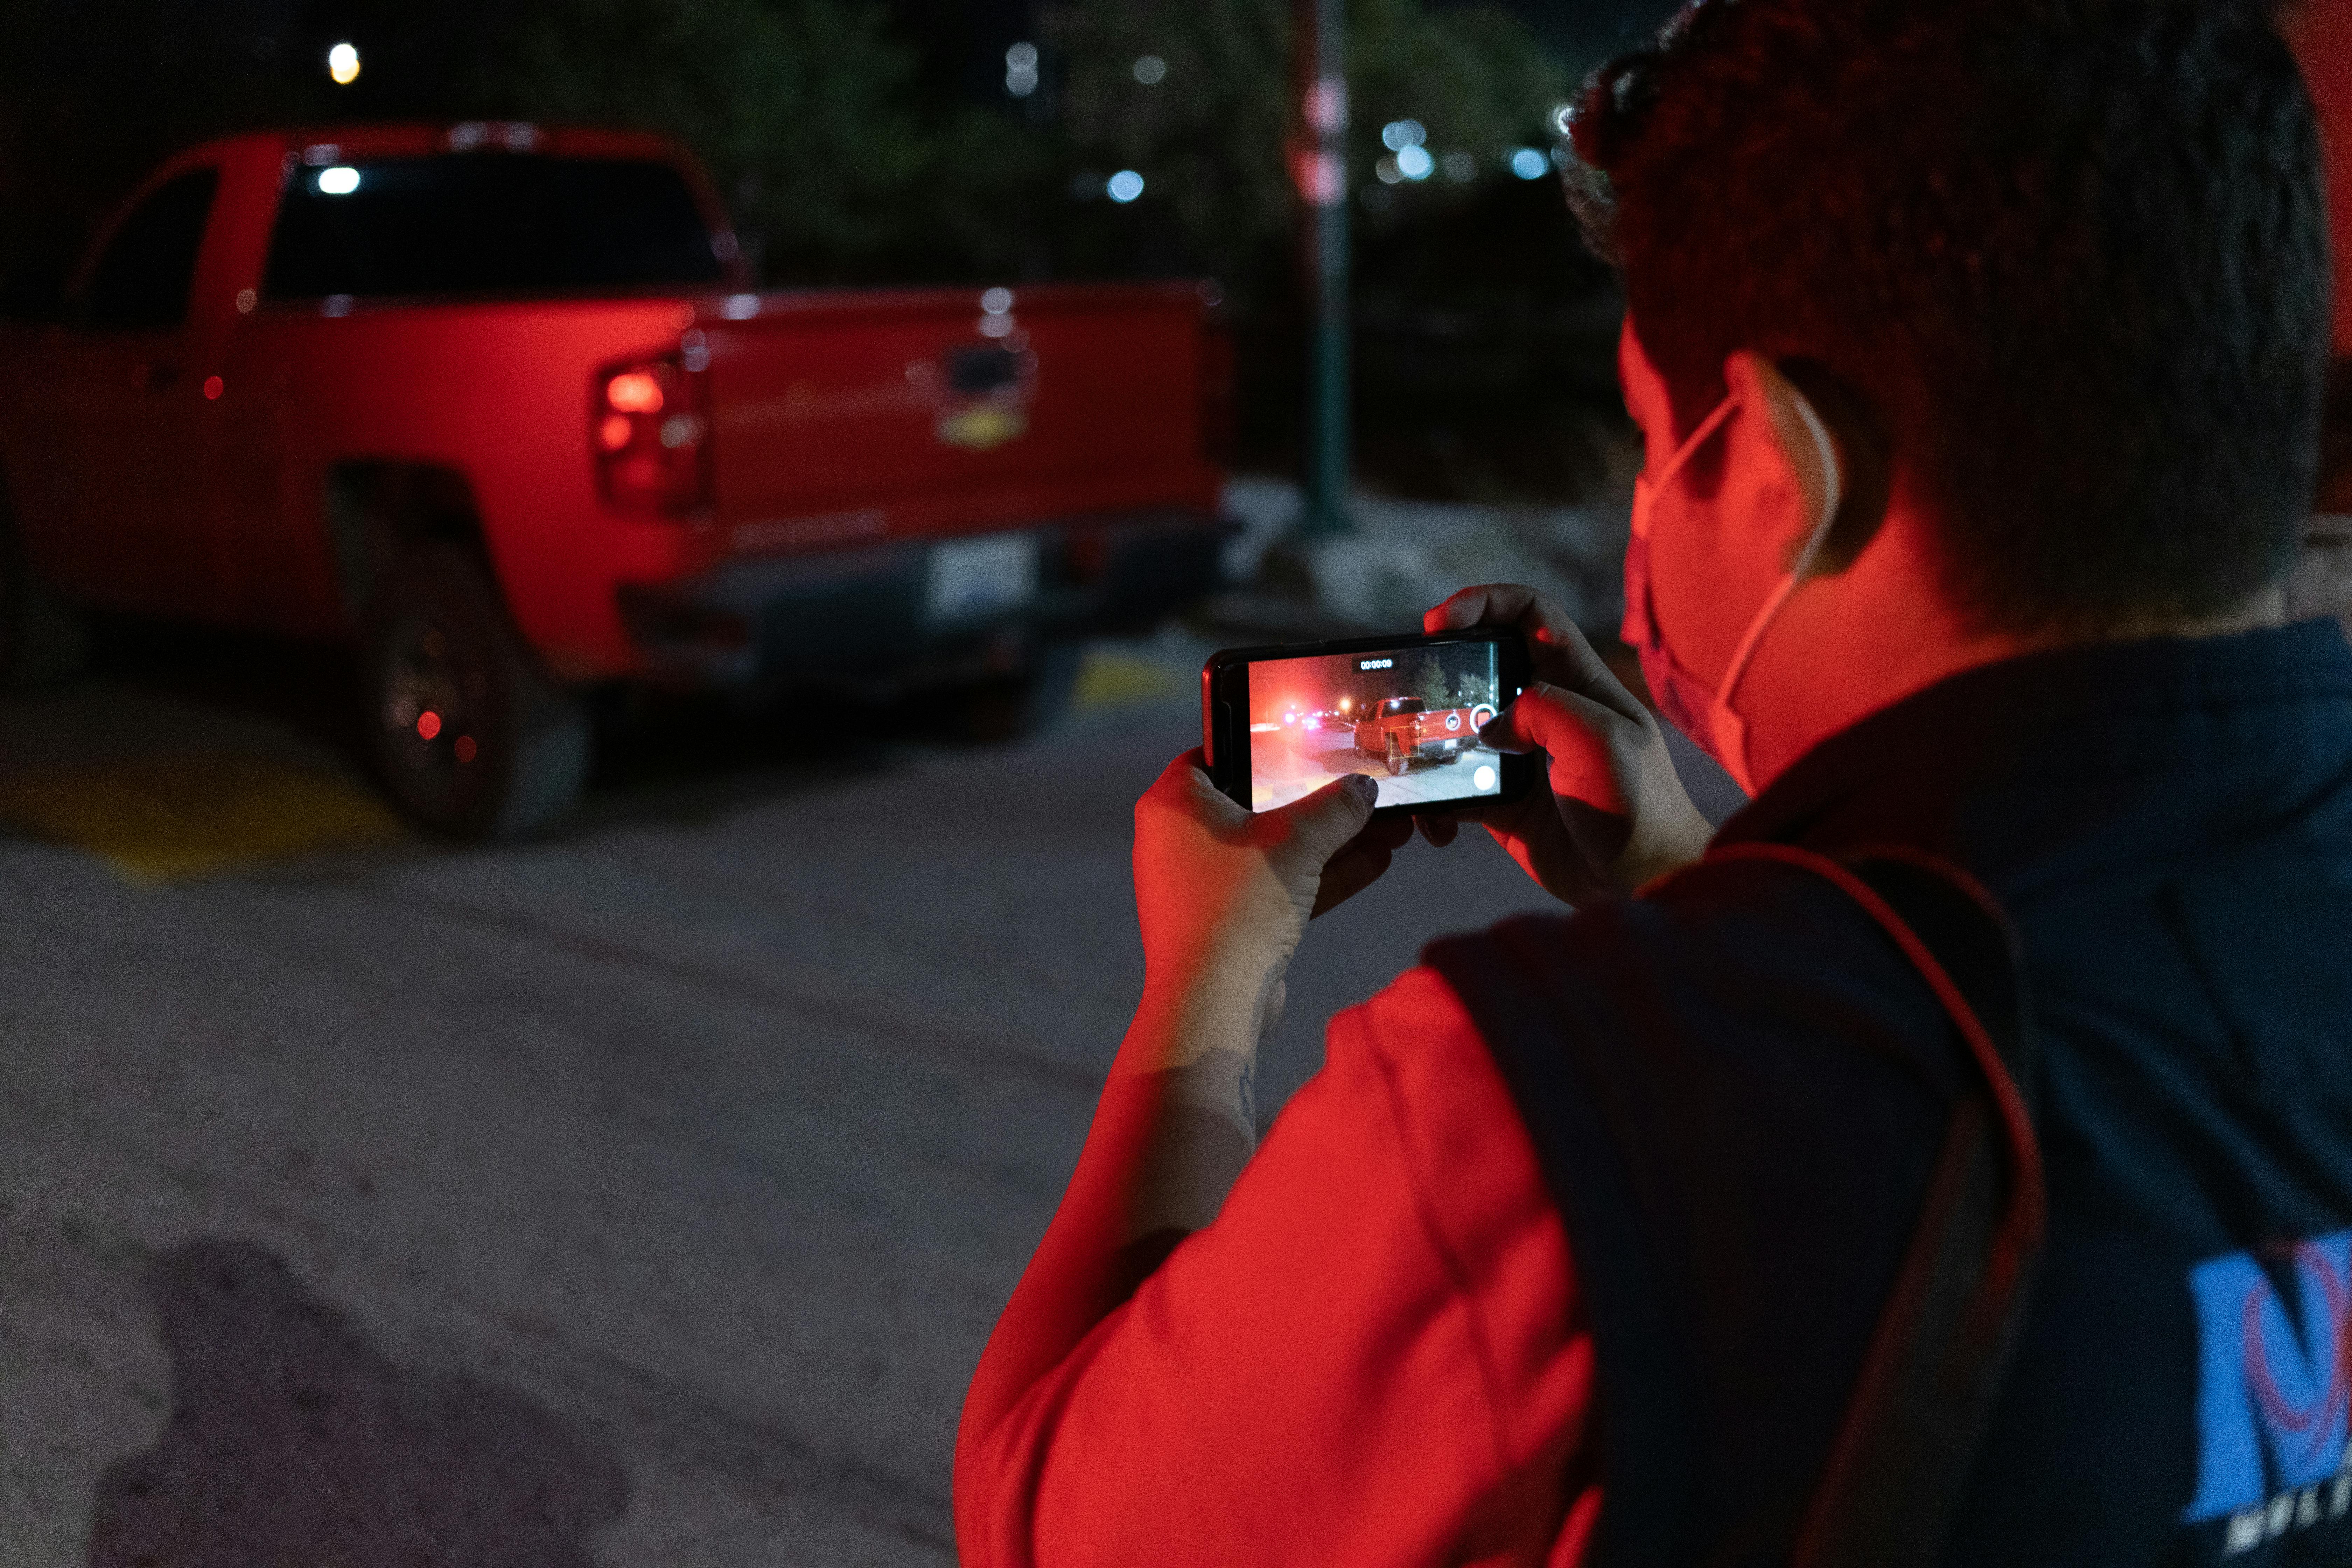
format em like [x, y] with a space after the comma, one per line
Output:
[870, 615]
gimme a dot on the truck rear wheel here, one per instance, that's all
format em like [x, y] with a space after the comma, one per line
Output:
[470, 739]
[1397, 759]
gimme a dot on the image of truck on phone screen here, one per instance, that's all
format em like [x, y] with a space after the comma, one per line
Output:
[1279, 723]
[1403, 729]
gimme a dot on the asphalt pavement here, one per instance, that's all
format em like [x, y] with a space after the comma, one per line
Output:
[644, 1195]
[1286, 763]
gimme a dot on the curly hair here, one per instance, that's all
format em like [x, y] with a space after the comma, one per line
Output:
[2060, 265]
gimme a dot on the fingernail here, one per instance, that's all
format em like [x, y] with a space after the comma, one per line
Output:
[1366, 790]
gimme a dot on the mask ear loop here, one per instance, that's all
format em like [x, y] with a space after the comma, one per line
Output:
[1833, 482]
[1730, 730]
[1681, 456]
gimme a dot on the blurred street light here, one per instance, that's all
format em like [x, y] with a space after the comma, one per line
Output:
[1528, 163]
[1319, 162]
[1125, 185]
[1414, 162]
[1151, 70]
[344, 64]
[1021, 69]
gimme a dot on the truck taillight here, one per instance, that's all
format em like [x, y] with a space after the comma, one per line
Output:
[649, 432]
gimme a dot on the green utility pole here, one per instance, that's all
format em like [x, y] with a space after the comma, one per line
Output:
[1319, 169]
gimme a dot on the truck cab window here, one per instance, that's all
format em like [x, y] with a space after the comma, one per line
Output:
[142, 281]
[475, 225]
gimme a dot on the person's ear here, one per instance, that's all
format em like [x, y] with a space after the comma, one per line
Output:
[1794, 439]
[1856, 434]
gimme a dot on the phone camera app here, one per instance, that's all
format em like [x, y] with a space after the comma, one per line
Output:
[1408, 719]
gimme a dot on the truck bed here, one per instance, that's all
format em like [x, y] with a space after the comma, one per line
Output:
[854, 414]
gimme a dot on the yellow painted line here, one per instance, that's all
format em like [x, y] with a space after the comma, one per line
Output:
[1117, 679]
[161, 818]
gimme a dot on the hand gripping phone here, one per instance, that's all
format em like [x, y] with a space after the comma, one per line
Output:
[1280, 723]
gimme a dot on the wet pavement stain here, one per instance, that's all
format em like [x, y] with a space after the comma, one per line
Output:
[293, 1442]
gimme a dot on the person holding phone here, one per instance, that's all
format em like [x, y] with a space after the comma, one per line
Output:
[1951, 1158]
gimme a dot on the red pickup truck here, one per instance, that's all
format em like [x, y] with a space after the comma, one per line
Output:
[1404, 728]
[498, 402]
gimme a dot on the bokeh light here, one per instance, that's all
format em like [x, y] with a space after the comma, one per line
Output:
[634, 392]
[344, 64]
[1021, 69]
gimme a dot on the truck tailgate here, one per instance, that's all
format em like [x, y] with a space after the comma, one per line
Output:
[843, 417]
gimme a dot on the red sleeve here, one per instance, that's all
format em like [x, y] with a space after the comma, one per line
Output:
[1374, 1356]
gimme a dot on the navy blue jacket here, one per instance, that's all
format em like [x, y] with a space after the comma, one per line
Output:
[2169, 824]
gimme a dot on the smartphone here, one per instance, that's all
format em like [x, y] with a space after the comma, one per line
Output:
[1280, 723]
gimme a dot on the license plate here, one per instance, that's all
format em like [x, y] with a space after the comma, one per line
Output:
[973, 577]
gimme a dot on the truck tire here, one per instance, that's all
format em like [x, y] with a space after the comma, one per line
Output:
[470, 739]
[41, 641]
[1398, 761]
[1012, 707]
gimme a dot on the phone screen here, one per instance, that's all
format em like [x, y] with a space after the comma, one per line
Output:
[1407, 717]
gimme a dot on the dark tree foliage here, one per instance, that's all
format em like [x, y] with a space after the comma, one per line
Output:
[802, 108]
[1485, 331]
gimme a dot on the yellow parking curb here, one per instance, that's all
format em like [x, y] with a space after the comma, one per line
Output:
[1115, 679]
[162, 818]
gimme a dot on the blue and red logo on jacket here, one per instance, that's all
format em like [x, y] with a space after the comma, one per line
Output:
[2275, 1391]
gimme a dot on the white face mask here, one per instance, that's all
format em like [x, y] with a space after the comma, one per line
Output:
[1702, 712]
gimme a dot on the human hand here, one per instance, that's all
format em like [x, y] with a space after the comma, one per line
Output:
[1224, 895]
[1616, 814]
